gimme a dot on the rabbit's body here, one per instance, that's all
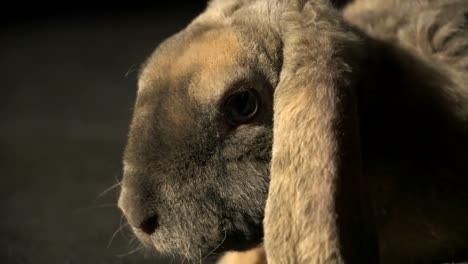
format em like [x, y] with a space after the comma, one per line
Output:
[413, 107]
[367, 154]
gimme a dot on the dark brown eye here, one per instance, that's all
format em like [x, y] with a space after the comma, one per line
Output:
[240, 107]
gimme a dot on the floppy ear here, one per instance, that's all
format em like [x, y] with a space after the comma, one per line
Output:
[317, 208]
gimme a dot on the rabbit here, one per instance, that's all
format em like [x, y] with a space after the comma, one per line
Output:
[324, 133]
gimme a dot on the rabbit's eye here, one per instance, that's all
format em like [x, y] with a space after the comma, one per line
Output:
[240, 107]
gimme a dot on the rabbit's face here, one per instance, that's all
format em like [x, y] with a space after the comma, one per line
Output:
[196, 166]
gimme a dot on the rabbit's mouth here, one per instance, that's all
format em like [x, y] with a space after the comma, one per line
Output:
[166, 241]
[238, 241]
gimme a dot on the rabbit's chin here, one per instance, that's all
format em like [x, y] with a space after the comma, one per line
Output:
[193, 247]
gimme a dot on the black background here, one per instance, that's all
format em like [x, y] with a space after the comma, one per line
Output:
[68, 83]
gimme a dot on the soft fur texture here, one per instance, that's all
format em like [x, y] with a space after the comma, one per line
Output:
[358, 153]
[254, 256]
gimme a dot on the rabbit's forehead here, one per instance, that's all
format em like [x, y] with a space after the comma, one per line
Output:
[215, 57]
[211, 60]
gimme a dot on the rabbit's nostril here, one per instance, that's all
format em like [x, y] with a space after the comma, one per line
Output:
[149, 225]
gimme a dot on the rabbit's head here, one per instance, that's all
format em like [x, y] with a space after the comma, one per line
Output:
[197, 163]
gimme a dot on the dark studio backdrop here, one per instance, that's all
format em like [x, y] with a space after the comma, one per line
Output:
[68, 83]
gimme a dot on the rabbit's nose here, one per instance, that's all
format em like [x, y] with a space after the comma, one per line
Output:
[149, 224]
[138, 215]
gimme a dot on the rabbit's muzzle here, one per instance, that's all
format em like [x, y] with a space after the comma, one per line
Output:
[144, 220]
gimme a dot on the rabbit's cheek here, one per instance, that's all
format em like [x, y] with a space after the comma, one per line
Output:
[204, 194]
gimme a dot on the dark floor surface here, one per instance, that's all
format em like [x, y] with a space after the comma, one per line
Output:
[67, 89]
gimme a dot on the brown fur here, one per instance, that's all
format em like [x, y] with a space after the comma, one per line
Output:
[362, 136]
[312, 106]
[254, 256]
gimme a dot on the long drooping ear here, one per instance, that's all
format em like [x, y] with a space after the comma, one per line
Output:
[317, 210]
